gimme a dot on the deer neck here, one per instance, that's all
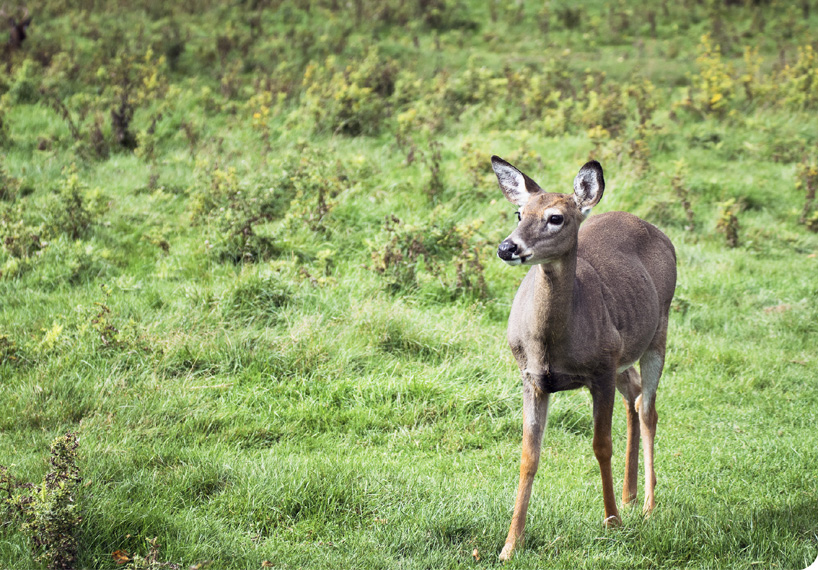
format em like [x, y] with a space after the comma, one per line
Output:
[554, 299]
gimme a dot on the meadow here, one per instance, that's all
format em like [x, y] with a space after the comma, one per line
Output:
[248, 264]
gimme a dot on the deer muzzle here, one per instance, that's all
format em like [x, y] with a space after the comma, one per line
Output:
[509, 252]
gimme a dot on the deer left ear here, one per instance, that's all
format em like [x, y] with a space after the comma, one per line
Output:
[588, 186]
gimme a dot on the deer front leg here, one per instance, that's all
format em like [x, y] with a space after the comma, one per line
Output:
[535, 414]
[603, 397]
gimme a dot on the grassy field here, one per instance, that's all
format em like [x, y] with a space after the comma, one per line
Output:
[247, 257]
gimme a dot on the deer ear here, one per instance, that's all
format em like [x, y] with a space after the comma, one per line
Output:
[516, 186]
[588, 186]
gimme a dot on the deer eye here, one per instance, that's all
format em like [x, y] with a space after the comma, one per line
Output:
[519, 217]
[555, 219]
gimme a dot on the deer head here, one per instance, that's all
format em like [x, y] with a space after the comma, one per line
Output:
[549, 222]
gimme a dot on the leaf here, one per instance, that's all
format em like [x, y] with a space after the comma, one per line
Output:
[476, 555]
[120, 557]
[266, 564]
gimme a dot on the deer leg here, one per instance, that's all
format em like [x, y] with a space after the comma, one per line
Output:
[629, 384]
[535, 414]
[651, 365]
[603, 398]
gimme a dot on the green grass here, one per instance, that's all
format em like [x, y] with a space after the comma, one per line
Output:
[307, 409]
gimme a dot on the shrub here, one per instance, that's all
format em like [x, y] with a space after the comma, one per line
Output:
[25, 86]
[314, 181]
[414, 256]
[798, 84]
[73, 209]
[234, 213]
[18, 239]
[353, 101]
[5, 133]
[49, 511]
[714, 83]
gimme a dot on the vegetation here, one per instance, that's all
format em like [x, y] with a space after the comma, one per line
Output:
[247, 261]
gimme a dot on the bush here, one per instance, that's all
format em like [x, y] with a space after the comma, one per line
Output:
[234, 212]
[353, 101]
[414, 257]
[73, 209]
[49, 511]
[25, 87]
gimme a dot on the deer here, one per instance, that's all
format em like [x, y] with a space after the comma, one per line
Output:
[595, 301]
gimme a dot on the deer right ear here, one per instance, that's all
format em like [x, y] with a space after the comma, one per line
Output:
[516, 186]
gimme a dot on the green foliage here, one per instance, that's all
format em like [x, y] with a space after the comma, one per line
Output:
[682, 192]
[5, 135]
[234, 212]
[72, 210]
[413, 257]
[9, 353]
[49, 511]
[799, 82]
[807, 182]
[25, 84]
[353, 100]
[728, 222]
[715, 81]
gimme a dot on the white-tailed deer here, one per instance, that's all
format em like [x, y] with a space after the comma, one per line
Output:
[595, 302]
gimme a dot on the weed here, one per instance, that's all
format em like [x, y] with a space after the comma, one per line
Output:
[728, 222]
[235, 212]
[352, 101]
[19, 239]
[712, 90]
[25, 86]
[9, 353]
[149, 561]
[73, 209]
[314, 182]
[798, 84]
[413, 257]
[680, 189]
[434, 186]
[49, 511]
[9, 185]
[807, 182]
[5, 133]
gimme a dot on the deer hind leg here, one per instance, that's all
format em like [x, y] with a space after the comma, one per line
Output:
[651, 365]
[535, 414]
[629, 384]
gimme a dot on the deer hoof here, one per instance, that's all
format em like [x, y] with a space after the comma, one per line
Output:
[647, 509]
[612, 521]
[507, 551]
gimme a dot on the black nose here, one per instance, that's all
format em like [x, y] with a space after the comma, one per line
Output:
[506, 250]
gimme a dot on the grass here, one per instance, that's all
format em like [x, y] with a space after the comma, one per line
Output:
[316, 404]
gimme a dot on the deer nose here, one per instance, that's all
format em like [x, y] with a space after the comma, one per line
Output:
[506, 250]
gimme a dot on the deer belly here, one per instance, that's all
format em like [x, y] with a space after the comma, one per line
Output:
[551, 382]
